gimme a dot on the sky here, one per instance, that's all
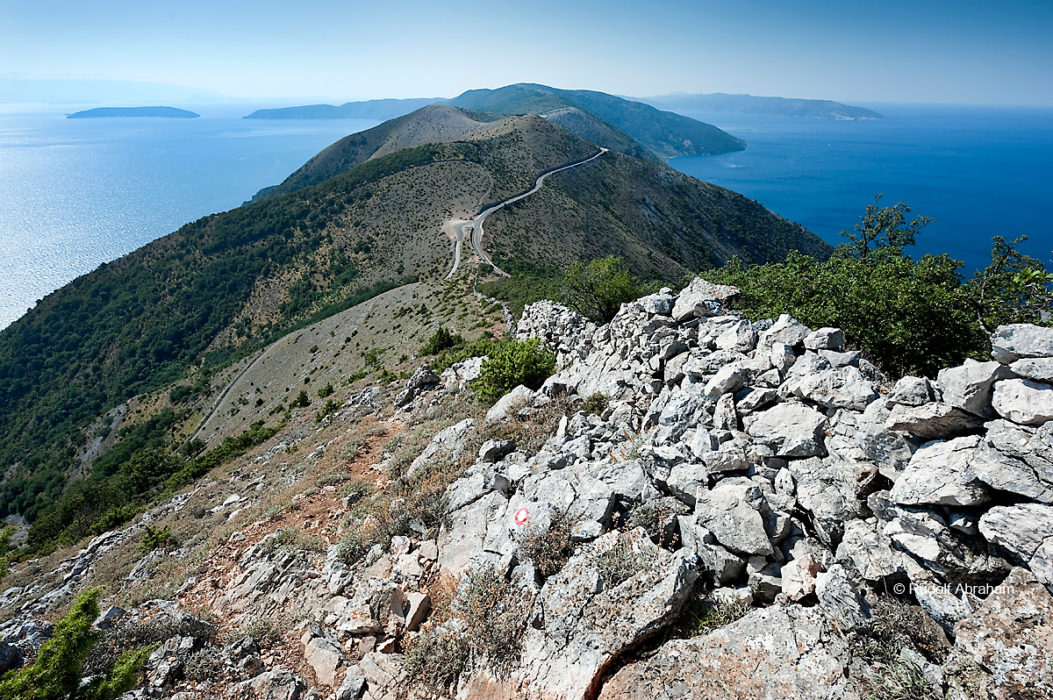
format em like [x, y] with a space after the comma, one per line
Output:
[957, 51]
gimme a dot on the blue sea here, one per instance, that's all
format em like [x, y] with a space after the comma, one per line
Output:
[977, 171]
[76, 193]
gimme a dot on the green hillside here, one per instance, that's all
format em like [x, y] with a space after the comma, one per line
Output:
[229, 283]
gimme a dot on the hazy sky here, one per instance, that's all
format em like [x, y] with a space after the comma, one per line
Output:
[849, 50]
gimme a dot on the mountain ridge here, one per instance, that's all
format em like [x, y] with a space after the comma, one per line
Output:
[221, 286]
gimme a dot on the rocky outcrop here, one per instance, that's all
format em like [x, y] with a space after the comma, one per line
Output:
[759, 472]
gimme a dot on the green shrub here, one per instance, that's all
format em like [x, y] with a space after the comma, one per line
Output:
[597, 289]
[440, 340]
[155, 538]
[327, 410]
[512, 363]
[325, 391]
[56, 672]
[302, 400]
[596, 404]
[908, 316]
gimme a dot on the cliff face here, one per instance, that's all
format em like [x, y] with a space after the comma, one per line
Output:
[694, 505]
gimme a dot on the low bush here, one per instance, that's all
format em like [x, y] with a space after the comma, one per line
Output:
[56, 672]
[623, 560]
[291, 539]
[548, 548]
[908, 316]
[512, 363]
[597, 289]
[155, 538]
[595, 404]
[435, 659]
[879, 644]
[495, 611]
[327, 410]
[700, 616]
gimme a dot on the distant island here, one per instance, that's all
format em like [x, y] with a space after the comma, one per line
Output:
[109, 112]
[751, 104]
[367, 109]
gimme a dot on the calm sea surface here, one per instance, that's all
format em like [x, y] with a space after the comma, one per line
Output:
[76, 193]
[978, 172]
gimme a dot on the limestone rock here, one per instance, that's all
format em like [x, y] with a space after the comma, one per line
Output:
[776, 652]
[448, 443]
[790, 429]
[421, 380]
[1026, 531]
[509, 404]
[701, 298]
[1019, 340]
[1017, 459]
[932, 421]
[968, 386]
[1010, 636]
[735, 512]
[1024, 401]
[842, 387]
[825, 339]
[1040, 369]
[940, 473]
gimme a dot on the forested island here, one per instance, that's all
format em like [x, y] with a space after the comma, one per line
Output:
[109, 112]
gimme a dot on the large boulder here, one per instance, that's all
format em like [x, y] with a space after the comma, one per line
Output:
[422, 380]
[584, 623]
[510, 403]
[1026, 532]
[738, 515]
[448, 443]
[1020, 340]
[1024, 401]
[790, 429]
[941, 473]
[1017, 459]
[831, 490]
[786, 330]
[841, 387]
[968, 386]
[932, 421]
[701, 298]
[776, 652]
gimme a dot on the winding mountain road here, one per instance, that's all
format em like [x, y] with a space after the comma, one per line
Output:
[459, 228]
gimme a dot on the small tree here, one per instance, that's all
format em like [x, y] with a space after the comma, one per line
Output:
[440, 340]
[512, 363]
[884, 230]
[1014, 288]
[598, 288]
